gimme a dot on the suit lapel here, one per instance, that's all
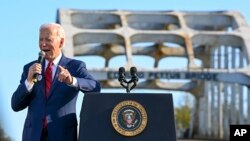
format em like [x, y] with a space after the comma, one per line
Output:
[63, 62]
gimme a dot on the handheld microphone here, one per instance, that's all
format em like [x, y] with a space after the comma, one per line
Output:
[38, 77]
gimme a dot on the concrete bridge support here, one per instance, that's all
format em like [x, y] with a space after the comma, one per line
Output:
[219, 40]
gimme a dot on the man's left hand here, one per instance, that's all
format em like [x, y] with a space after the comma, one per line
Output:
[64, 76]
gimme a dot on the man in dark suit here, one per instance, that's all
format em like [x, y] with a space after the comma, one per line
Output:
[51, 101]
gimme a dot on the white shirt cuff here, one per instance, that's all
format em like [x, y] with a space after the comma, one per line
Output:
[28, 85]
[74, 83]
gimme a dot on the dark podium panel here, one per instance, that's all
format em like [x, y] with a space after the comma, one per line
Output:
[96, 125]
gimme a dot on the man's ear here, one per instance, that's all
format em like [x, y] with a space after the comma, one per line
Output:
[62, 42]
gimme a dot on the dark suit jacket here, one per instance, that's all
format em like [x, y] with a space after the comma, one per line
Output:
[60, 106]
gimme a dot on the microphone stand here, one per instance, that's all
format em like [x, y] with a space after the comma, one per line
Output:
[126, 84]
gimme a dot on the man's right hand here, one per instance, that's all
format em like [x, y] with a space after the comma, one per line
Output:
[36, 68]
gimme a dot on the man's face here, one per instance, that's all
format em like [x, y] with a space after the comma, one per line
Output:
[50, 42]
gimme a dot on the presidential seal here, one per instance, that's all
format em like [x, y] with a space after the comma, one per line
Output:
[129, 118]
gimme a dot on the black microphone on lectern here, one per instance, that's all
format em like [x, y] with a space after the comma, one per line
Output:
[122, 78]
[121, 73]
[123, 81]
[38, 77]
[133, 72]
[134, 77]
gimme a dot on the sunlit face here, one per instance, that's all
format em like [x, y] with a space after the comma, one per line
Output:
[50, 42]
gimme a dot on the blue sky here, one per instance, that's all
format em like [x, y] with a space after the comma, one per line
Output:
[20, 21]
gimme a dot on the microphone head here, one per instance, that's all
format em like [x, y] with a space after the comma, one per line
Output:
[41, 53]
[121, 70]
[133, 70]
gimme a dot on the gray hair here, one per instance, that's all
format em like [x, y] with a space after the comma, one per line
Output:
[60, 30]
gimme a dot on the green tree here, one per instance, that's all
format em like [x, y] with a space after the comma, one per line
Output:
[182, 116]
[183, 113]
